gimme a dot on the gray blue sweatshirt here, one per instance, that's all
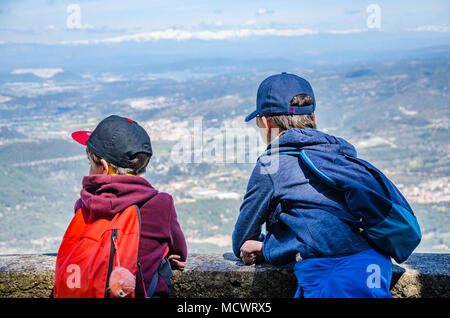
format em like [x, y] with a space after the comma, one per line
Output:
[294, 205]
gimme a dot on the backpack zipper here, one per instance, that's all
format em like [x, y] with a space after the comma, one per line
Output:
[112, 252]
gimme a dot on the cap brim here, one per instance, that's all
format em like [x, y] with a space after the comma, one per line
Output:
[81, 136]
[251, 116]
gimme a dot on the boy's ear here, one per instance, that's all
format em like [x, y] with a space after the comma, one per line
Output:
[267, 124]
[105, 166]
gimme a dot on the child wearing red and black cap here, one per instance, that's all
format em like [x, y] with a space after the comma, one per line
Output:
[119, 150]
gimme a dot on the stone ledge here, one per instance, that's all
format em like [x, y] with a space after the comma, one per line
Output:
[424, 275]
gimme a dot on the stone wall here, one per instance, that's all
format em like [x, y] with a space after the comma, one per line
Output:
[222, 275]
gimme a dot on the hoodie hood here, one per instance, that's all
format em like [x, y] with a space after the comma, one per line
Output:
[308, 138]
[106, 195]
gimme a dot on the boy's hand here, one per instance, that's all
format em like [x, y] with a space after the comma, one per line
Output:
[175, 262]
[251, 252]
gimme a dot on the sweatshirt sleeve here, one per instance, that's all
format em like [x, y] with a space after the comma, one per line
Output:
[177, 244]
[78, 205]
[254, 208]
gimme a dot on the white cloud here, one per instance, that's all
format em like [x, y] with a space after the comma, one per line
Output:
[209, 33]
[76, 42]
[86, 27]
[51, 27]
[179, 35]
[407, 111]
[4, 99]
[348, 31]
[263, 11]
[431, 28]
[40, 72]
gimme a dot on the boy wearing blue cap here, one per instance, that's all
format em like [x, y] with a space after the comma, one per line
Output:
[304, 217]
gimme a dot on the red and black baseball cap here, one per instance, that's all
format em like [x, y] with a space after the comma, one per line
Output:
[116, 139]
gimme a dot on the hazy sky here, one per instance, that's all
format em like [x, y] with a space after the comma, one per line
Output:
[51, 21]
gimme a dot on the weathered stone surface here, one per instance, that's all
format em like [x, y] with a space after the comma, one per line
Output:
[26, 275]
[424, 275]
[223, 275]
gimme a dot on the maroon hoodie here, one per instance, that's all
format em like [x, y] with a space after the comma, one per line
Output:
[106, 195]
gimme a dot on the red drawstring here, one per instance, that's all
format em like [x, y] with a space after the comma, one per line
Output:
[143, 287]
[118, 263]
[166, 251]
[117, 251]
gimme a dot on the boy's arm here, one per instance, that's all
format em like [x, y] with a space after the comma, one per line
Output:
[254, 209]
[177, 243]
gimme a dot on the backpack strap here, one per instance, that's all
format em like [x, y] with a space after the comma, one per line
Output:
[152, 287]
[353, 222]
[165, 271]
[311, 165]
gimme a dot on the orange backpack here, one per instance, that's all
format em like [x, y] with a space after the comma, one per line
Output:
[91, 248]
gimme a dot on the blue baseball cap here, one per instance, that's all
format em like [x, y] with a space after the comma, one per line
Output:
[276, 92]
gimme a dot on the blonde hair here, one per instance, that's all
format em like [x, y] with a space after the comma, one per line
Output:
[286, 122]
[139, 162]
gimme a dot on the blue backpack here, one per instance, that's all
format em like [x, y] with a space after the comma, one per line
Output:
[377, 208]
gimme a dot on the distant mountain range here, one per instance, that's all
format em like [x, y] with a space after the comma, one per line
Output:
[176, 55]
[394, 106]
